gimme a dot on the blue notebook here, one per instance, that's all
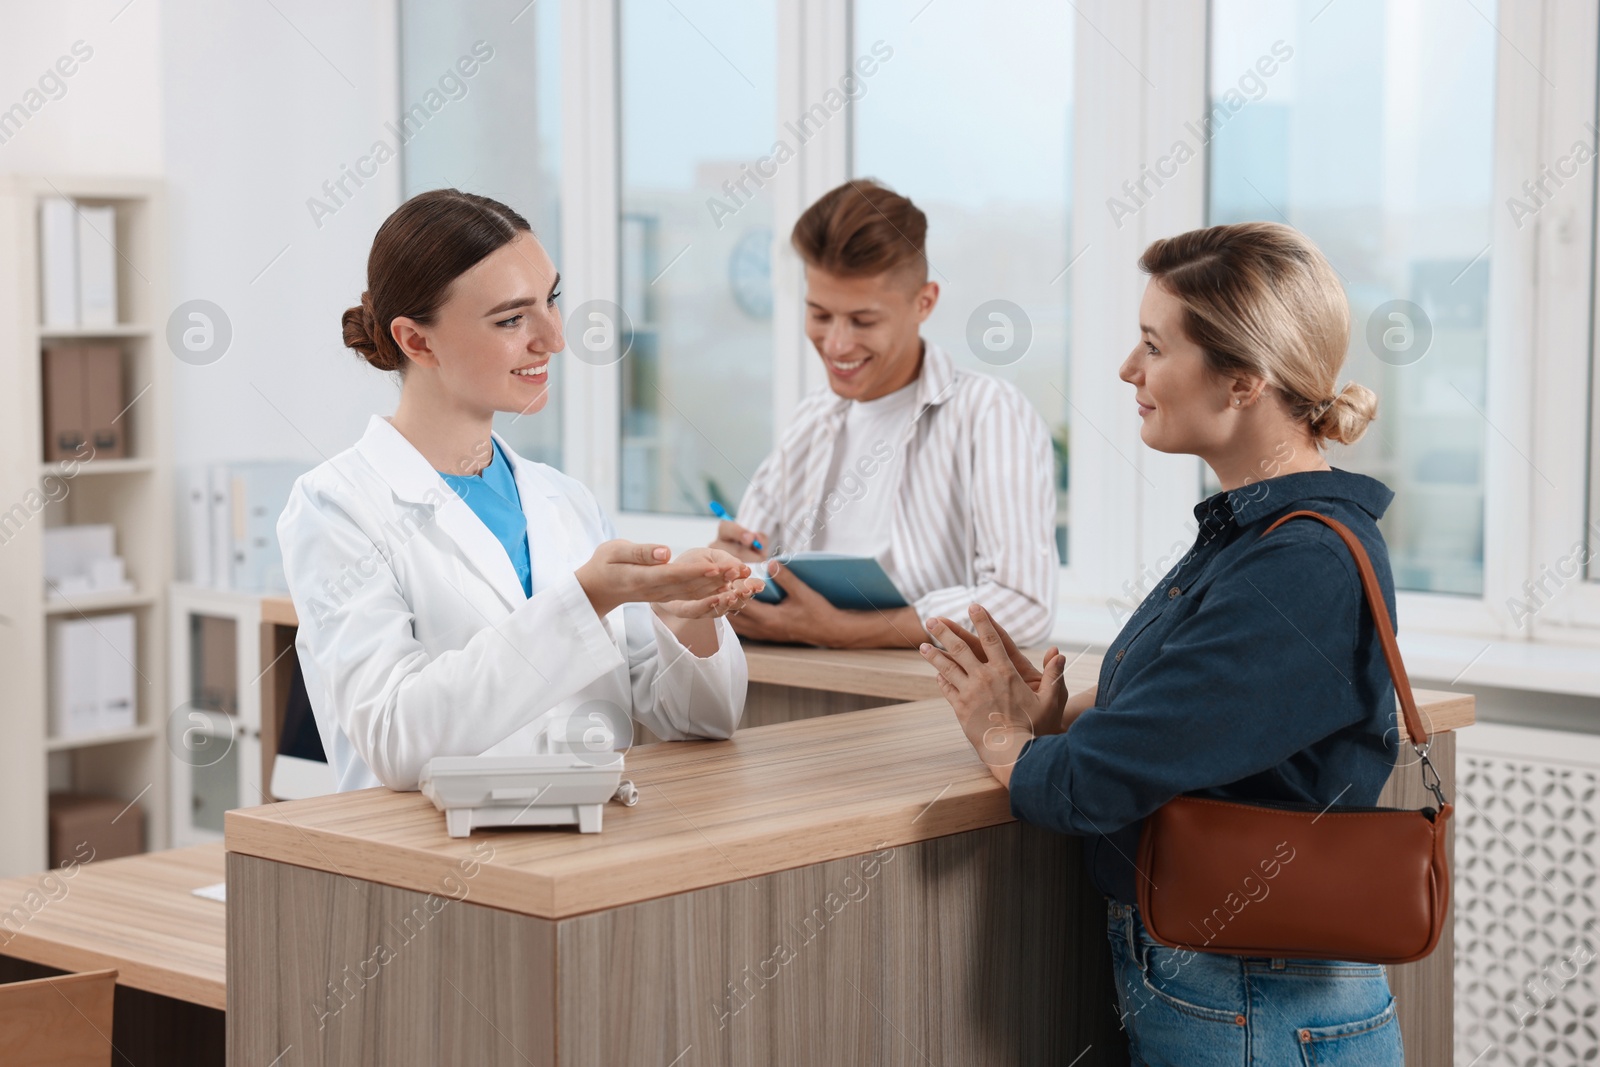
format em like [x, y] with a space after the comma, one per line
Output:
[853, 583]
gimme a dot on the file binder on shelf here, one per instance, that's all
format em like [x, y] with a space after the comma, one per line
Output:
[97, 266]
[92, 675]
[58, 264]
[83, 402]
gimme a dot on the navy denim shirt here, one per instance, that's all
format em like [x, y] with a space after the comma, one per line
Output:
[1252, 671]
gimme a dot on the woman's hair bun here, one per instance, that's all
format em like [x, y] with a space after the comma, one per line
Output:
[1344, 418]
[362, 334]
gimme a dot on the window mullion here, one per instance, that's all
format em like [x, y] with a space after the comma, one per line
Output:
[813, 48]
[589, 200]
[1175, 96]
[1109, 93]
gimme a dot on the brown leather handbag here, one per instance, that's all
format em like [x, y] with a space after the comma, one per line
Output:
[1303, 881]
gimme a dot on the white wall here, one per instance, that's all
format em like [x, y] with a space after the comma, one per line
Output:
[105, 118]
[246, 109]
[263, 104]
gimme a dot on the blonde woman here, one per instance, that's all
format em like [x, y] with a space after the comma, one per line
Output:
[456, 599]
[1252, 671]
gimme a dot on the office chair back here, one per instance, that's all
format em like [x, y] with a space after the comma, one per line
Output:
[58, 1022]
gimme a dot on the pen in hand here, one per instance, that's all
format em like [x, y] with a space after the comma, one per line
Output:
[722, 513]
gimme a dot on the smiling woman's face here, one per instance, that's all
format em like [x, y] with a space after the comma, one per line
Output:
[1182, 403]
[492, 340]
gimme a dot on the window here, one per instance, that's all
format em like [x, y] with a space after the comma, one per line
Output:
[495, 132]
[988, 159]
[1369, 128]
[1371, 125]
[697, 100]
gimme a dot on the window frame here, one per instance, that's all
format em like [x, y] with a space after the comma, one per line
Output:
[1567, 302]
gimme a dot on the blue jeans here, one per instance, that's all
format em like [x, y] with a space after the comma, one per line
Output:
[1198, 1009]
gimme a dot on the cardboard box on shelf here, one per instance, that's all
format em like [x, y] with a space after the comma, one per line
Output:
[80, 559]
[84, 826]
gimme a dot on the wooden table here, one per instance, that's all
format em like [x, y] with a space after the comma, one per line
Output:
[139, 916]
[840, 889]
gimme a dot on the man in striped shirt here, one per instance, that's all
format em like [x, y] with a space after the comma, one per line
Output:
[944, 475]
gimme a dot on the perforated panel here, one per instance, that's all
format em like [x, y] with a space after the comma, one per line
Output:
[1527, 898]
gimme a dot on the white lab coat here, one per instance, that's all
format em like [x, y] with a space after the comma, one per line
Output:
[416, 640]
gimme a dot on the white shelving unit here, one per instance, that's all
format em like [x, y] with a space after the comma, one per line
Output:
[134, 494]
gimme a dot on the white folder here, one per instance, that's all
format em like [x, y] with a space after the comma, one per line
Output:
[74, 686]
[58, 264]
[114, 657]
[97, 266]
[260, 491]
[221, 526]
[194, 524]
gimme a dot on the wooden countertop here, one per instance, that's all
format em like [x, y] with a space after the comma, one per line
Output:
[902, 674]
[138, 914]
[771, 798]
[709, 812]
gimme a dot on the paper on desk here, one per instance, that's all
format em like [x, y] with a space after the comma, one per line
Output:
[216, 892]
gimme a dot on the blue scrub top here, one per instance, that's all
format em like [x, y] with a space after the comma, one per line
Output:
[493, 497]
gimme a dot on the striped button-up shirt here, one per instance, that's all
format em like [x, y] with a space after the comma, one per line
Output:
[973, 518]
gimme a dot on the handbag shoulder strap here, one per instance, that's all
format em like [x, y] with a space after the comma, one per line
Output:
[1380, 617]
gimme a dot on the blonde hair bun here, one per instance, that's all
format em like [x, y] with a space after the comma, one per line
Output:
[1345, 416]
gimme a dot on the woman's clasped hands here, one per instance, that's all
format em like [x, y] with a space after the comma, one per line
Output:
[999, 697]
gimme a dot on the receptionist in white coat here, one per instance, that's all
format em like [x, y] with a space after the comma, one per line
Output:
[455, 598]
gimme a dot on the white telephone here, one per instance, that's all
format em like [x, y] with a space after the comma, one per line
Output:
[544, 789]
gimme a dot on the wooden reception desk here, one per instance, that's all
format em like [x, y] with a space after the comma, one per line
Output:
[841, 889]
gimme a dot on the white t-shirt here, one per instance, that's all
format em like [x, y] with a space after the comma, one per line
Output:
[858, 496]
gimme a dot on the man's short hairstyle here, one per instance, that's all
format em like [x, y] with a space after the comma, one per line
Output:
[863, 229]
